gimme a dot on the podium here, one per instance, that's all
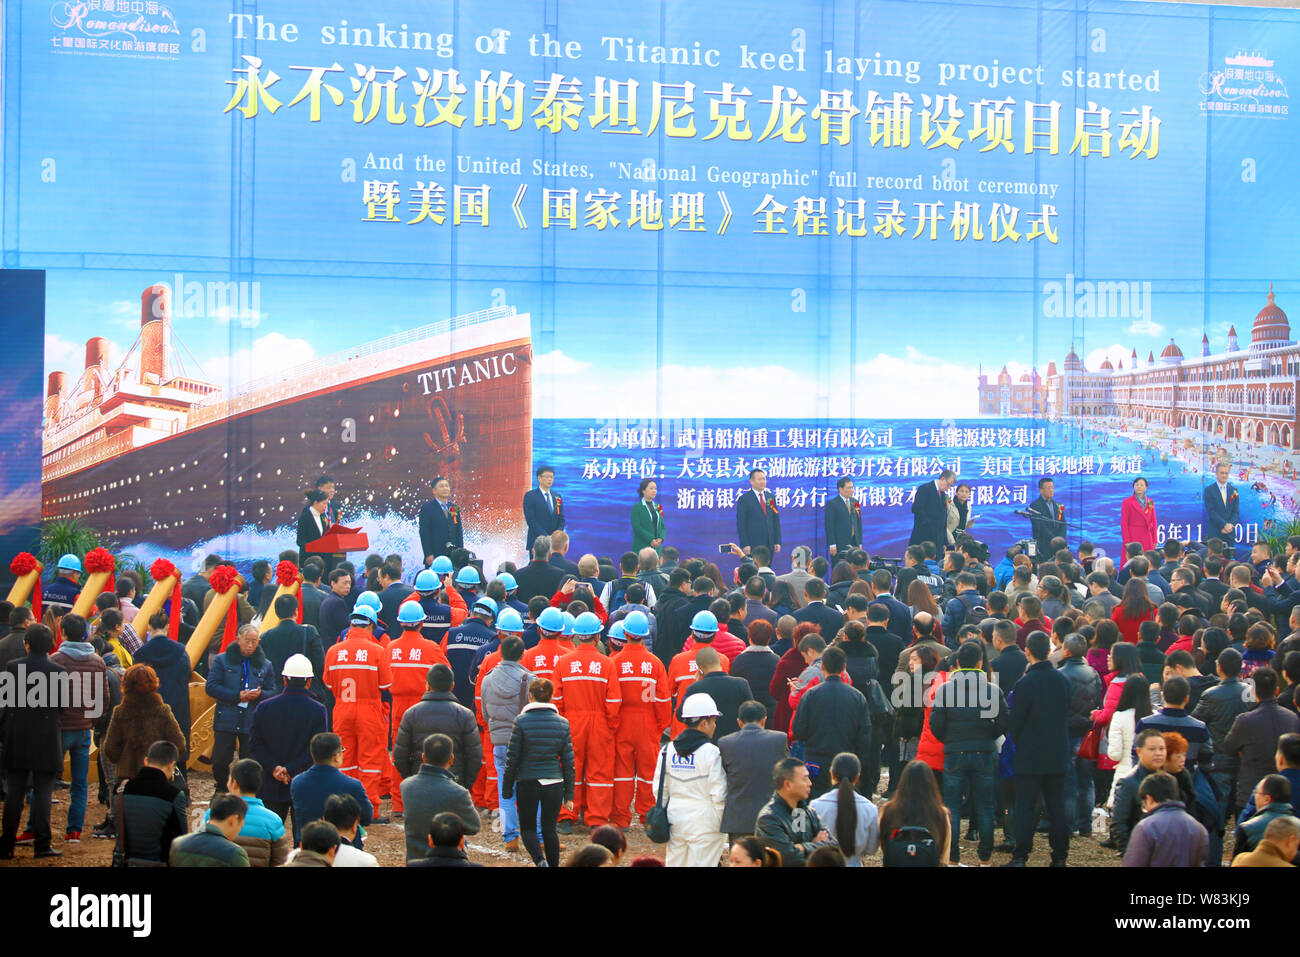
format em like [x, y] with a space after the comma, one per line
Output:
[339, 539]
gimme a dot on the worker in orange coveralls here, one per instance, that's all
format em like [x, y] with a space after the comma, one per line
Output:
[683, 671]
[643, 715]
[587, 693]
[357, 673]
[410, 656]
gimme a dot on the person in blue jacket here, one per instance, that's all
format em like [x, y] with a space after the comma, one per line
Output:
[239, 678]
[312, 788]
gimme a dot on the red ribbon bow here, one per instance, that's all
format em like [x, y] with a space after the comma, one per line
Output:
[221, 580]
[102, 560]
[159, 571]
[286, 574]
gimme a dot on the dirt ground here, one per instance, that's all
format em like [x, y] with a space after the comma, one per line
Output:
[387, 841]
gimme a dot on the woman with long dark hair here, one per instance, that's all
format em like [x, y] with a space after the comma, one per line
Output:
[842, 577]
[647, 518]
[919, 598]
[1133, 609]
[783, 599]
[916, 805]
[846, 814]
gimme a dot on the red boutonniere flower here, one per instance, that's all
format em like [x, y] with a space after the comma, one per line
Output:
[660, 508]
[1232, 497]
[454, 512]
[771, 503]
[559, 503]
[1151, 506]
[857, 507]
[1060, 512]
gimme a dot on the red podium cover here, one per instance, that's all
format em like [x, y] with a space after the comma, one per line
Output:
[338, 538]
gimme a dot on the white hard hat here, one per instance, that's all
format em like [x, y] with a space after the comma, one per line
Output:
[700, 705]
[298, 666]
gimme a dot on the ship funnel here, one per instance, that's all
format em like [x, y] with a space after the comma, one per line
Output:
[155, 330]
[56, 384]
[96, 353]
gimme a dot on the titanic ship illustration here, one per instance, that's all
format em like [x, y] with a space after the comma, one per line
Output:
[150, 451]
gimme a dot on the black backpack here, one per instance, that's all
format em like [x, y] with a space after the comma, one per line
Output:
[976, 610]
[911, 846]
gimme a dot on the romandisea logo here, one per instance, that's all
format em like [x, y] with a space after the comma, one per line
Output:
[122, 28]
[1248, 84]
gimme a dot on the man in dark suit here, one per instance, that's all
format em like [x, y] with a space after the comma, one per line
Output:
[1211, 585]
[560, 551]
[1009, 663]
[900, 616]
[930, 510]
[539, 576]
[544, 512]
[33, 746]
[843, 521]
[1040, 716]
[1048, 518]
[1222, 509]
[441, 525]
[312, 591]
[393, 592]
[289, 638]
[748, 757]
[728, 693]
[196, 587]
[816, 610]
[757, 521]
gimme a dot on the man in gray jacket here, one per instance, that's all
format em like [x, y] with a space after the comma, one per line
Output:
[432, 791]
[504, 694]
[748, 757]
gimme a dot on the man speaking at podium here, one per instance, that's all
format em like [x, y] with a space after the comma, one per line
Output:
[1048, 518]
[441, 528]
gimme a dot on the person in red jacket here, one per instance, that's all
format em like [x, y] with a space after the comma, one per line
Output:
[566, 594]
[683, 670]
[410, 656]
[1133, 609]
[357, 672]
[790, 666]
[645, 712]
[587, 693]
[724, 642]
[1137, 517]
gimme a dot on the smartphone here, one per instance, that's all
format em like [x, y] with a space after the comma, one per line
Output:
[724, 549]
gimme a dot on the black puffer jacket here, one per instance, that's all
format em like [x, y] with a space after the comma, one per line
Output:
[152, 816]
[540, 747]
[960, 721]
[438, 712]
[1086, 694]
[862, 662]
[1218, 708]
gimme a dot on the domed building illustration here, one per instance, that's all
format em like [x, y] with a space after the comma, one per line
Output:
[1240, 394]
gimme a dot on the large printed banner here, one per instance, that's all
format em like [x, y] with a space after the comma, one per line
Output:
[396, 240]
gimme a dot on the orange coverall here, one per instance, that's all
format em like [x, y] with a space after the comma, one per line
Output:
[587, 693]
[643, 715]
[410, 658]
[356, 670]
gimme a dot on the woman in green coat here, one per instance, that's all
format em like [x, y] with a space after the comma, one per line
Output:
[647, 518]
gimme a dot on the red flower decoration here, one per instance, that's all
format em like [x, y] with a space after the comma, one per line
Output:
[24, 563]
[99, 560]
[162, 569]
[661, 509]
[286, 574]
[222, 577]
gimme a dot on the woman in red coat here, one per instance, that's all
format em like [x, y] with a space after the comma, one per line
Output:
[1133, 609]
[1137, 517]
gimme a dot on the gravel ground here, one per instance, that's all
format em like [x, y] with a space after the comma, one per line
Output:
[387, 842]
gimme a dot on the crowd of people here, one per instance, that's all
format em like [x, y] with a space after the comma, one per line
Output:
[842, 712]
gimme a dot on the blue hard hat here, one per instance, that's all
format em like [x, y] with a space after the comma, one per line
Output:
[367, 599]
[509, 620]
[366, 612]
[468, 576]
[427, 581]
[551, 619]
[587, 624]
[486, 603]
[411, 613]
[615, 635]
[69, 563]
[442, 565]
[568, 624]
[508, 580]
[705, 621]
[636, 623]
